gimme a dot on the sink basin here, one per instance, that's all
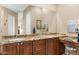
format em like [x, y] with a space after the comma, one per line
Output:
[16, 40]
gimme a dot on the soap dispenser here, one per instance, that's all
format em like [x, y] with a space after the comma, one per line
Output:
[34, 30]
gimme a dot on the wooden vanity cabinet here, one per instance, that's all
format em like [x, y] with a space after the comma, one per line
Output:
[39, 47]
[10, 49]
[51, 46]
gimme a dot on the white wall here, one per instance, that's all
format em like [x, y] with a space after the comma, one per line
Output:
[28, 23]
[49, 17]
[65, 13]
[11, 25]
[20, 22]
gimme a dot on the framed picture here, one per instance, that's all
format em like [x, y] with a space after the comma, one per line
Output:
[38, 24]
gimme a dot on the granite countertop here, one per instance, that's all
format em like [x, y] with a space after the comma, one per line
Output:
[70, 39]
[28, 38]
[72, 35]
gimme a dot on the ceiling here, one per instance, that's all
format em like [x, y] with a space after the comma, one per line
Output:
[15, 7]
[47, 6]
[21, 7]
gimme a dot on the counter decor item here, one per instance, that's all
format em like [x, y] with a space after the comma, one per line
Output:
[34, 30]
[18, 29]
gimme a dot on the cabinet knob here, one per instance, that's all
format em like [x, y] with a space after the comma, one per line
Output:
[21, 43]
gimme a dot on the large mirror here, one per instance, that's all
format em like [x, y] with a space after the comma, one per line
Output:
[40, 20]
[29, 19]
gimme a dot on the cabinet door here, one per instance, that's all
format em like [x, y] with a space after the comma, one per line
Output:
[10, 49]
[0, 49]
[58, 47]
[26, 48]
[52, 46]
[49, 47]
[61, 48]
[39, 47]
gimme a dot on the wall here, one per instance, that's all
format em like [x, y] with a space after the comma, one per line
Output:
[49, 17]
[2, 27]
[64, 14]
[27, 27]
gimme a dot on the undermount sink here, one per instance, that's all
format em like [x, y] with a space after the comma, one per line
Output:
[16, 40]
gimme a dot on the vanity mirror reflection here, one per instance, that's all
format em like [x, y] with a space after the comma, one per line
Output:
[31, 18]
[38, 20]
[8, 22]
